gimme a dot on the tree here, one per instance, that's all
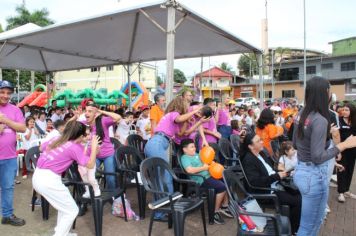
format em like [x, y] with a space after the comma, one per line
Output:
[159, 80]
[248, 65]
[226, 67]
[1, 30]
[279, 55]
[24, 16]
[179, 76]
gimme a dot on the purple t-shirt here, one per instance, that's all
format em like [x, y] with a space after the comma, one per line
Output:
[178, 139]
[106, 147]
[8, 137]
[210, 125]
[224, 117]
[59, 159]
[167, 124]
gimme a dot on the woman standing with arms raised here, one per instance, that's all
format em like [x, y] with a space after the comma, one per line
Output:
[312, 127]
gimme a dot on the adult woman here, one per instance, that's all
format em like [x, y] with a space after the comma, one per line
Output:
[312, 127]
[99, 122]
[260, 174]
[267, 130]
[223, 118]
[347, 128]
[57, 155]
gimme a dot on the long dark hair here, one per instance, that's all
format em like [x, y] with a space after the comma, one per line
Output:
[316, 100]
[266, 117]
[99, 127]
[72, 131]
[352, 117]
[246, 142]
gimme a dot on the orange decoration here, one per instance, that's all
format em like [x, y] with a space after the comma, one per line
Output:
[207, 155]
[216, 170]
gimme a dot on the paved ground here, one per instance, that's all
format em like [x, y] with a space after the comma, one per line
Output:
[341, 221]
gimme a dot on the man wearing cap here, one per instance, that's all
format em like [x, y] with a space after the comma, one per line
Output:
[143, 123]
[11, 121]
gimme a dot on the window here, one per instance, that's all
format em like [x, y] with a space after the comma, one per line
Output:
[62, 84]
[288, 74]
[246, 94]
[311, 70]
[288, 93]
[268, 94]
[93, 69]
[327, 66]
[109, 68]
[347, 66]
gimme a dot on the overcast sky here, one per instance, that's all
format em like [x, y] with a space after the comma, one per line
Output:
[327, 20]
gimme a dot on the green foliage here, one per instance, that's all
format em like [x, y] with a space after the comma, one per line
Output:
[25, 78]
[1, 30]
[179, 76]
[248, 63]
[159, 80]
[226, 67]
[24, 16]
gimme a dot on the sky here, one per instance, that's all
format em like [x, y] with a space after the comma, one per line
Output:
[326, 21]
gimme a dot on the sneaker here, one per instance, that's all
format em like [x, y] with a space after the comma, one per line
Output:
[327, 209]
[86, 194]
[13, 220]
[225, 211]
[24, 177]
[17, 181]
[333, 185]
[341, 197]
[350, 195]
[218, 219]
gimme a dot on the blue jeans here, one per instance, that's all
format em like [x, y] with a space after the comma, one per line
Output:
[8, 169]
[313, 183]
[109, 166]
[158, 146]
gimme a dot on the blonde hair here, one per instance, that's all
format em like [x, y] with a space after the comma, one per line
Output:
[178, 104]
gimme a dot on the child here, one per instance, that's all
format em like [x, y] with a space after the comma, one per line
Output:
[49, 125]
[144, 124]
[192, 164]
[288, 160]
[88, 175]
[29, 137]
[235, 127]
[123, 128]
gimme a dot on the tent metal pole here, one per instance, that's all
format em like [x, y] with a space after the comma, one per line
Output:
[260, 66]
[129, 86]
[170, 50]
[18, 86]
[47, 86]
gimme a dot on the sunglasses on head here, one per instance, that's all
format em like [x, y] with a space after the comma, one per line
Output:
[91, 104]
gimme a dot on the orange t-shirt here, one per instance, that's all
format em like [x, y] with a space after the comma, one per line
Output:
[269, 133]
[156, 114]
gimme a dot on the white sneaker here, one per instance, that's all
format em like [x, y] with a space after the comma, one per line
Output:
[327, 209]
[86, 194]
[24, 177]
[341, 197]
[97, 193]
[350, 195]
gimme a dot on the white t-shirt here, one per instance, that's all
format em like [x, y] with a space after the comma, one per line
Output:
[54, 133]
[144, 124]
[56, 117]
[42, 124]
[276, 108]
[123, 130]
[27, 144]
[237, 117]
[289, 164]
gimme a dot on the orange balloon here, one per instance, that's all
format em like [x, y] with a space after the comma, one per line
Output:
[207, 154]
[216, 170]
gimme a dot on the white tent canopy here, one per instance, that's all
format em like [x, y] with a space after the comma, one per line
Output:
[164, 30]
[121, 37]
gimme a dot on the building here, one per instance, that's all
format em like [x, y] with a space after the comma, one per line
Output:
[106, 79]
[338, 68]
[215, 82]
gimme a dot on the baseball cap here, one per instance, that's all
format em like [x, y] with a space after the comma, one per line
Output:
[6, 84]
[144, 107]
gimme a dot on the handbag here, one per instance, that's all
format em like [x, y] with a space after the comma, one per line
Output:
[289, 186]
[251, 205]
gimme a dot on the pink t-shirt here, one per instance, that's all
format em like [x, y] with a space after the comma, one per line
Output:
[210, 125]
[178, 139]
[167, 124]
[59, 159]
[8, 137]
[106, 147]
[224, 117]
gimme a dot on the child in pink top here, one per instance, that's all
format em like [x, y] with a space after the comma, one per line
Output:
[56, 157]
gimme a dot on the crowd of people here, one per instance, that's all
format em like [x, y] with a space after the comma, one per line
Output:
[284, 140]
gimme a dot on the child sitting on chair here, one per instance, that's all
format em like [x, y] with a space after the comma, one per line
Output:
[88, 175]
[193, 165]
